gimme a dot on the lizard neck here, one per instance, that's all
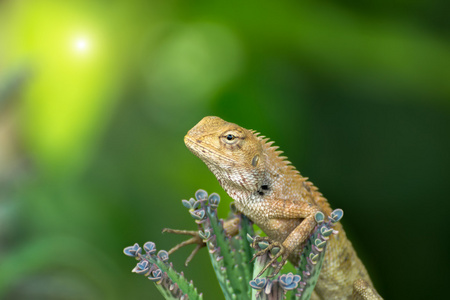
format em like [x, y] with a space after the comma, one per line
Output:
[234, 181]
[273, 178]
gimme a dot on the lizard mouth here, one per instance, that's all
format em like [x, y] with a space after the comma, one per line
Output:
[190, 142]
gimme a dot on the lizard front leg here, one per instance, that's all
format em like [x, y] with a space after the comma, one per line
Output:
[288, 210]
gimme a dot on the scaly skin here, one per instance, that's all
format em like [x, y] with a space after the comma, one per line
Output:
[273, 194]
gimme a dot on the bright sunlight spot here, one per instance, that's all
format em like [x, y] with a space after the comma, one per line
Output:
[81, 45]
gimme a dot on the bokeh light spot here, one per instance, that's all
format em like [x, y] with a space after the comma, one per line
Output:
[81, 45]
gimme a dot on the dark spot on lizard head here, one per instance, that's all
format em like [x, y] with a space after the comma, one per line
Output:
[265, 187]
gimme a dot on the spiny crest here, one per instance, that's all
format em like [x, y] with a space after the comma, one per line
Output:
[275, 153]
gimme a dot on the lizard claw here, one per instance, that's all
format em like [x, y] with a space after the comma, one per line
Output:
[271, 245]
[195, 239]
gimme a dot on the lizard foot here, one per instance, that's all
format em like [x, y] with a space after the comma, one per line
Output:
[195, 239]
[271, 245]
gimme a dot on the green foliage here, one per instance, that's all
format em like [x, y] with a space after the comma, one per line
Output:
[231, 258]
[230, 264]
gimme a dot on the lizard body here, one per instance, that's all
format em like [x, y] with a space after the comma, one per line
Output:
[273, 194]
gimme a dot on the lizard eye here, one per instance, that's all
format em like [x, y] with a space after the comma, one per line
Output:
[230, 137]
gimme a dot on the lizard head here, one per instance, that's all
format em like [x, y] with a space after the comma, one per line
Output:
[232, 153]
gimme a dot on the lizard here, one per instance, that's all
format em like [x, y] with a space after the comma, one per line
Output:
[268, 189]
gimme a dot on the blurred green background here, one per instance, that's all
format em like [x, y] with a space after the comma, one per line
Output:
[96, 96]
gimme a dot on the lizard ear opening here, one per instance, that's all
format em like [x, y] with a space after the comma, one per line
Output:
[255, 160]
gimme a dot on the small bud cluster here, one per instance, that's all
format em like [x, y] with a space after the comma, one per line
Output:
[156, 268]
